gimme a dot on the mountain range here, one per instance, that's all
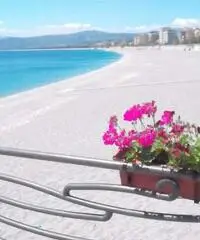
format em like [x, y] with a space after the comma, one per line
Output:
[80, 39]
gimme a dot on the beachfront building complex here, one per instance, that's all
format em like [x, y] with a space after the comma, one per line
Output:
[197, 32]
[153, 37]
[141, 39]
[182, 36]
[167, 36]
[189, 36]
[163, 36]
[197, 35]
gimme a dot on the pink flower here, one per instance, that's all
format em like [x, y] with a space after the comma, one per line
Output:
[176, 152]
[161, 133]
[147, 138]
[110, 136]
[149, 108]
[177, 129]
[133, 114]
[113, 121]
[132, 135]
[123, 141]
[167, 117]
[178, 149]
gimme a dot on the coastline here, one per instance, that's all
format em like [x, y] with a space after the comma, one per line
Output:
[67, 78]
[70, 116]
[70, 79]
[45, 49]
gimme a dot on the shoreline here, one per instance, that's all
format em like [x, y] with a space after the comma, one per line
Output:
[46, 49]
[74, 78]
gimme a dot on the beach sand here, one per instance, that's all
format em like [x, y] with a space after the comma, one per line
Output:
[70, 116]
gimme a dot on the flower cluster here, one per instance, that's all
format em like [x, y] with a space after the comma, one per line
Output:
[136, 112]
[148, 139]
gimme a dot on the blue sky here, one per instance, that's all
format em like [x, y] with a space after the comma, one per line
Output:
[35, 17]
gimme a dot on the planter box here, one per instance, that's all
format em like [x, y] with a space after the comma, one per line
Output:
[178, 185]
[162, 180]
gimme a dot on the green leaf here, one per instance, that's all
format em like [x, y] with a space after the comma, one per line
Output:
[158, 146]
[185, 139]
[146, 154]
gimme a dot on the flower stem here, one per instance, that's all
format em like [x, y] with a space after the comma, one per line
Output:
[134, 125]
[142, 123]
[154, 121]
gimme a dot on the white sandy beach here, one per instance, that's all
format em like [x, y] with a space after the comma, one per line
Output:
[70, 116]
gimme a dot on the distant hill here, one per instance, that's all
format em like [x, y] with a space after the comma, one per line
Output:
[80, 39]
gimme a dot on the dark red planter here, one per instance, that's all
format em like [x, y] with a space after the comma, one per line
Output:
[161, 180]
[187, 185]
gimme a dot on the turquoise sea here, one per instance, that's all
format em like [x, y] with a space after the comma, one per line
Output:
[24, 70]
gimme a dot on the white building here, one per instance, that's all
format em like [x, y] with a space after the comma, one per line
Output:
[153, 37]
[189, 35]
[136, 40]
[141, 39]
[167, 36]
[182, 37]
[197, 32]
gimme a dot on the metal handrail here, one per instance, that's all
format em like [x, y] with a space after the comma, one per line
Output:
[60, 158]
[86, 161]
[106, 211]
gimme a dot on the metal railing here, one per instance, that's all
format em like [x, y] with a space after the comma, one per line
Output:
[66, 194]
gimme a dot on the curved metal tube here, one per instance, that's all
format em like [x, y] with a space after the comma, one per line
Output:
[124, 211]
[39, 231]
[56, 212]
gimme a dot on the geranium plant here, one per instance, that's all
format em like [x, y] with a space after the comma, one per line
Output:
[164, 141]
